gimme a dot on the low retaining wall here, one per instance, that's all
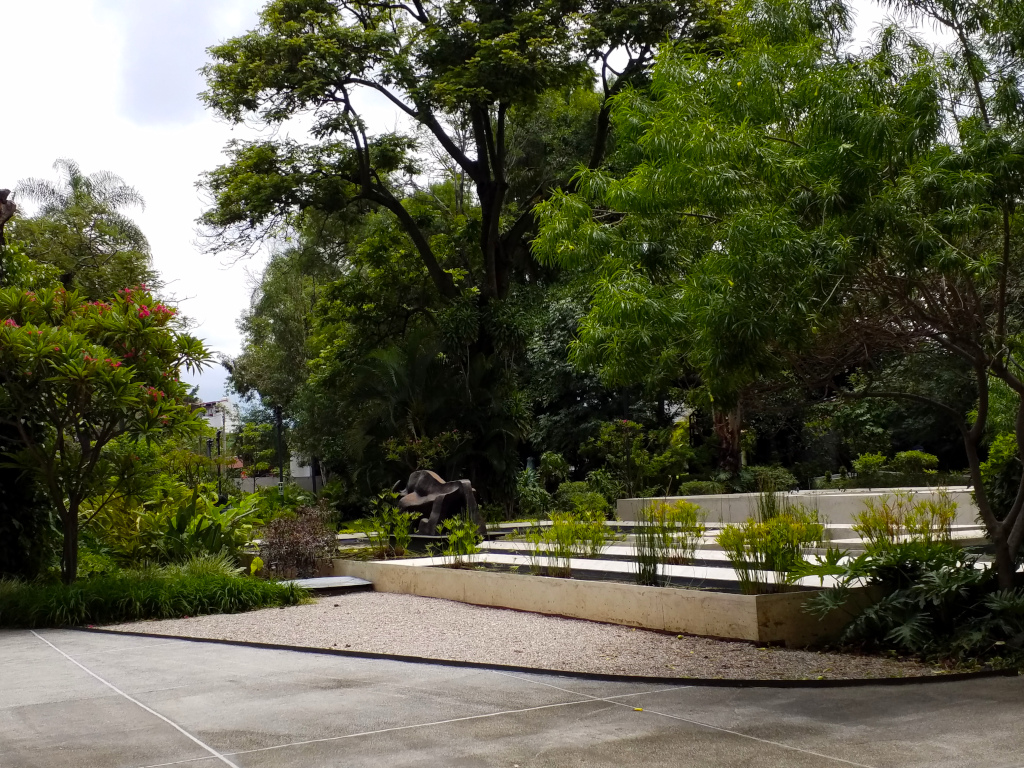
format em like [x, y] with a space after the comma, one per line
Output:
[837, 506]
[760, 618]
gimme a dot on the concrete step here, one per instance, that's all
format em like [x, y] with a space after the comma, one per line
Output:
[333, 585]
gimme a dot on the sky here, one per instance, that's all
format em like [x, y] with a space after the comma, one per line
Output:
[113, 85]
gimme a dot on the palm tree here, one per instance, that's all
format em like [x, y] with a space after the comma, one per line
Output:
[80, 229]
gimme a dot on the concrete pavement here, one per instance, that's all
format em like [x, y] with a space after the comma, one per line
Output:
[93, 700]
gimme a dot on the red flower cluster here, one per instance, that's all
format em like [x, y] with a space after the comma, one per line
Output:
[11, 323]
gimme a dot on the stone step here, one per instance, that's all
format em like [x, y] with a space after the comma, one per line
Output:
[333, 585]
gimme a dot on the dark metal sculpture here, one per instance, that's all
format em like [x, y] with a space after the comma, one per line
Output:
[437, 501]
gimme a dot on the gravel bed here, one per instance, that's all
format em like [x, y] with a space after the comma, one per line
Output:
[381, 622]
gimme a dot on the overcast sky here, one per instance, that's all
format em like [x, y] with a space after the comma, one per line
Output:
[112, 84]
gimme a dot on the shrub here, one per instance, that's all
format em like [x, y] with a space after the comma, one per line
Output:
[175, 523]
[763, 552]
[914, 462]
[582, 500]
[937, 604]
[869, 463]
[295, 545]
[533, 499]
[155, 593]
[602, 481]
[699, 488]
[554, 468]
[765, 479]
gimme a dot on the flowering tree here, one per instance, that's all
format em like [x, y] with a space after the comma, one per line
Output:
[75, 375]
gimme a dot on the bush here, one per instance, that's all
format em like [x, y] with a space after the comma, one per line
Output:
[765, 479]
[869, 463]
[174, 524]
[295, 545]
[914, 462]
[533, 500]
[155, 593]
[581, 500]
[699, 488]
[936, 605]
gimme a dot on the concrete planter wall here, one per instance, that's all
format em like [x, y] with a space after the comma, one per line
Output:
[838, 507]
[761, 618]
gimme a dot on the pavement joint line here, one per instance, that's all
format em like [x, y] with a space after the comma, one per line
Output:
[379, 731]
[610, 700]
[138, 703]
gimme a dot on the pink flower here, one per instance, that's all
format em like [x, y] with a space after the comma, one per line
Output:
[143, 312]
[11, 323]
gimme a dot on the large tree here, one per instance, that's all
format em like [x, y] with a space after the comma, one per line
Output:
[820, 210]
[456, 70]
[75, 376]
[82, 231]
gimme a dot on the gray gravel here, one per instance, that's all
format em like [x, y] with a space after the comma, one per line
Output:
[441, 629]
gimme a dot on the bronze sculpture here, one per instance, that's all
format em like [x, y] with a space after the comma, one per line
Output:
[437, 501]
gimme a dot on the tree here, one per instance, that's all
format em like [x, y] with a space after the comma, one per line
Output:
[457, 69]
[81, 230]
[76, 375]
[822, 209]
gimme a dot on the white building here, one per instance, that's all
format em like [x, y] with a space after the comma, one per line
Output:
[222, 415]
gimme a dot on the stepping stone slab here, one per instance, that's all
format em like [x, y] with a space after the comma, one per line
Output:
[333, 585]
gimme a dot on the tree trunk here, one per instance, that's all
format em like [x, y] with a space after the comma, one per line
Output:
[69, 554]
[727, 427]
[1005, 563]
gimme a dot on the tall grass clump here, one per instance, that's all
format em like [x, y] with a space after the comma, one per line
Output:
[579, 533]
[896, 518]
[192, 589]
[763, 550]
[665, 534]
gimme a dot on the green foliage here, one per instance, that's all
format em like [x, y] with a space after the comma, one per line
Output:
[80, 233]
[81, 374]
[1001, 474]
[764, 551]
[765, 479]
[533, 500]
[575, 533]
[554, 469]
[869, 464]
[893, 518]
[682, 529]
[389, 530]
[699, 488]
[193, 589]
[635, 456]
[914, 462]
[173, 523]
[463, 536]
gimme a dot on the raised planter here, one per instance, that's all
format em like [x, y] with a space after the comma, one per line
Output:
[837, 507]
[775, 618]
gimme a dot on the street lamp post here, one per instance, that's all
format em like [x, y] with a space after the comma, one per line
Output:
[280, 453]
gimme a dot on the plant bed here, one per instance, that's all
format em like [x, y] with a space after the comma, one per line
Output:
[774, 618]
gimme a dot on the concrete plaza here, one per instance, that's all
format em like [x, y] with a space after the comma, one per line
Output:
[88, 700]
